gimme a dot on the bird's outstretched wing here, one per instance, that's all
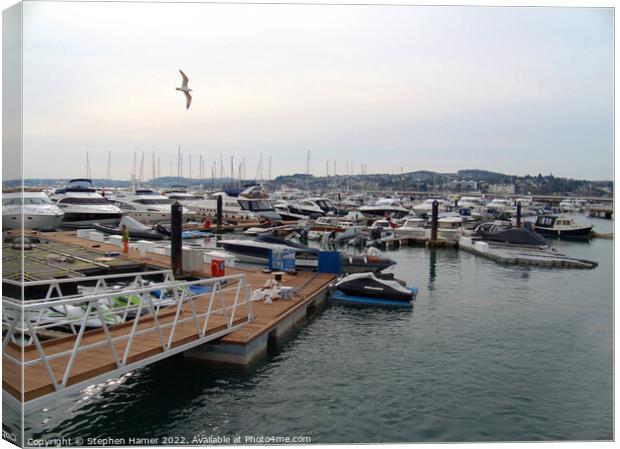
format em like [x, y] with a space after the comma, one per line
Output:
[185, 80]
[189, 99]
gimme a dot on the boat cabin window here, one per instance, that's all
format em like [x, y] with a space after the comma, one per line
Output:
[324, 204]
[546, 221]
[153, 201]
[72, 200]
[256, 205]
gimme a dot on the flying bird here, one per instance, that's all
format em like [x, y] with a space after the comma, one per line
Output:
[185, 89]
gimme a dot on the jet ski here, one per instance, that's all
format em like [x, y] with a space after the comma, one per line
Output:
[373, 289]
[136, 229]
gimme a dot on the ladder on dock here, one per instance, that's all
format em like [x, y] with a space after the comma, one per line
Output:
[109, 331]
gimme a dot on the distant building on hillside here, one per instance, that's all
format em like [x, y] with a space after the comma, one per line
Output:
[457, 185]
[502, 189]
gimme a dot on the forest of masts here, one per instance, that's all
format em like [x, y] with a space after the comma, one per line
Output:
[221, 173]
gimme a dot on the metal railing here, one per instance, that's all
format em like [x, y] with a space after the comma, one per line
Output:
[103, 283]
[122, 315]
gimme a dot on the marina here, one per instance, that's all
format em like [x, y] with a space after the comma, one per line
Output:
[295, 224]
[243, 339]
[306, 351]
[259, 323]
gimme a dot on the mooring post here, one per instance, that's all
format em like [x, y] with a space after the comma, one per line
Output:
[518, 214]
[176, 246]
[219, 212]
[434, 218]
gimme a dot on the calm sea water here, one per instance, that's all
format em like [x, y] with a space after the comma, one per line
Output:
[488, 353]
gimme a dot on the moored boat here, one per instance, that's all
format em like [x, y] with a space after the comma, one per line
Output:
[561, 226]
[373, 289]
[257, 250]
[32, 210]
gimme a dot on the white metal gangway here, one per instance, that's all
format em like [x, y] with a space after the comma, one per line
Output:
[110, 331]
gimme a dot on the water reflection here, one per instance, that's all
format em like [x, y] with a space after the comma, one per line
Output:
[432, 272]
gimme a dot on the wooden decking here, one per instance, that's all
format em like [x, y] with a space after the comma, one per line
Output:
[265, 315]
[97, 361]
[93, 362]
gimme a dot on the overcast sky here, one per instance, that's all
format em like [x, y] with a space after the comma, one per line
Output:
[515, 90]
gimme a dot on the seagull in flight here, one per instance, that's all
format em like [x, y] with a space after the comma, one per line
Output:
[186, 90]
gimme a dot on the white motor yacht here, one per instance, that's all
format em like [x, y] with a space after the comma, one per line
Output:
[38, 211]
[184, 197]
[426, 208]
[315, 207]
[252, 204]
[470, 202]
[501, 205]
[572, 205]
[412, 228]
[148, 206]
[385, 207]
[327, 225]
[83, 206]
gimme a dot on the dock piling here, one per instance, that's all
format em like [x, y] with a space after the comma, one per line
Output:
[434, 219]
[176, 244]
[518, 214]
[219, 212]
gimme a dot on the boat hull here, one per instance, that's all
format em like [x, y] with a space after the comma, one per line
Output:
[394, 213]
[31, 221]
[338, 296]
[133, 233]
[578, 232]
[79, 220]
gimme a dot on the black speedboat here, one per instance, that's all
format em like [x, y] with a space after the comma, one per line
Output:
[373, 289]
[496, 232]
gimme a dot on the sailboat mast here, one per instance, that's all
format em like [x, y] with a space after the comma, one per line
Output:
[108, 174]
[141, 167]
[87, 166]
[179, 166]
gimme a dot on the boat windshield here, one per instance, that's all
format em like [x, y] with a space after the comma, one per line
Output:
[153, 201]
[73, 200]
[27, 201]
[324, 204]
[256, 206]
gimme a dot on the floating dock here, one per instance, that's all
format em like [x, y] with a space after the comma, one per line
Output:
[240, 341]
[63, 364]
[601, 212]
[522, 255]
